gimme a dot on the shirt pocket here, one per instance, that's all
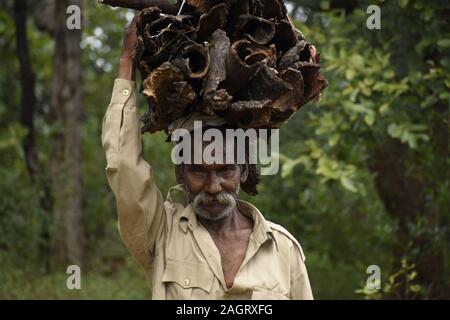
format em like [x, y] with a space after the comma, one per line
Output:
[187, 280]
[264, 294]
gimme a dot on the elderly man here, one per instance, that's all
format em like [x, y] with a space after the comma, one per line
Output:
[213, 247]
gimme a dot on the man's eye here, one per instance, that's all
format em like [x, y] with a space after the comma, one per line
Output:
[227, 170]
[197, 170]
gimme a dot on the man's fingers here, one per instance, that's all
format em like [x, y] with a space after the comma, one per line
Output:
[136, 20]
[132, 26]
[313, 54]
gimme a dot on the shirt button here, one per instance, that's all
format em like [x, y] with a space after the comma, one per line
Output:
[186, 282]
[126, 92]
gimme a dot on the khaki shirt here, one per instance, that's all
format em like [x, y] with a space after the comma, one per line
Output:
[177, 253]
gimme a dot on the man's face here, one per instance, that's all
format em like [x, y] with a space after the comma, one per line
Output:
[213, 188]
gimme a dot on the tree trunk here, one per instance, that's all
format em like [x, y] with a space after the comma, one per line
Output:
[66, 110]
[404, 185]
[27, 114]
[27, 80]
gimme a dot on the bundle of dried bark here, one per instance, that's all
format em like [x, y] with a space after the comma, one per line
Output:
[240, 59]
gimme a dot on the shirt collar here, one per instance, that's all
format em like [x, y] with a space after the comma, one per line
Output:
[261, 228]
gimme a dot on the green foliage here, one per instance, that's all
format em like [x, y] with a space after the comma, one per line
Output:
[371, 93]
[21, 217]
[126, 283]
[401, 283]
[384, 84]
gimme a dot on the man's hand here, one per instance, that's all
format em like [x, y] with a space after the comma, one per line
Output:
[127, 57]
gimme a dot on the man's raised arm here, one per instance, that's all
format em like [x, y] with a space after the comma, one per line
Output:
[139, 202]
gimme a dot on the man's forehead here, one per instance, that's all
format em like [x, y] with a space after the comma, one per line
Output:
[215, 148]
[221, 145]
[212, 166]
[204, 148]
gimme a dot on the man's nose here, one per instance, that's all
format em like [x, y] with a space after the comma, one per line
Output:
[213, 185]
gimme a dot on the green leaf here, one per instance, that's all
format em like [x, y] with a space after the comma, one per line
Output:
[328, 168]
[349, 74]
[370, 118]
[415, 288]
[334, 139]
[447, 83]
[357, 60]
[389, 74]
[394, 130]
[325, 5]
[287, 168]
[403, 3]
[444, 43]
[347, 183]
[384, 108]
[444, 95]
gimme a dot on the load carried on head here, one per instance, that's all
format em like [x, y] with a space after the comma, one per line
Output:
[242, 60]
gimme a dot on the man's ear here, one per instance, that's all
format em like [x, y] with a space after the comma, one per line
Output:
[179, 174]
[244, 172]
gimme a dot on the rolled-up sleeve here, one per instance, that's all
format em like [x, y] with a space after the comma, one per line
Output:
[139, 202]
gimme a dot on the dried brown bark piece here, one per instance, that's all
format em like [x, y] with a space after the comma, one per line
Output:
[149, 42]
[215, 19]
[291, 100]
[216, 100]
[314, 82]
[180, 97]
[248, 114]
[293, 55]
[235, 10]
[162, 38]
[194, 61]
[158, 58]
[168, 94]
[242, 63]
[147, 16]
[261, 53]
[268, 9]
[266, 84]
[243, 59]
[285, 106]
[257, 29]
[213, 99]
[219, 47]
[285, 36]
[165, 24]
[201, 6]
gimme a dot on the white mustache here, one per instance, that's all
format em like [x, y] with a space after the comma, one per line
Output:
[223, 198]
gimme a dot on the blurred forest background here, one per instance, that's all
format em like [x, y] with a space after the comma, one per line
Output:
[365, 172]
